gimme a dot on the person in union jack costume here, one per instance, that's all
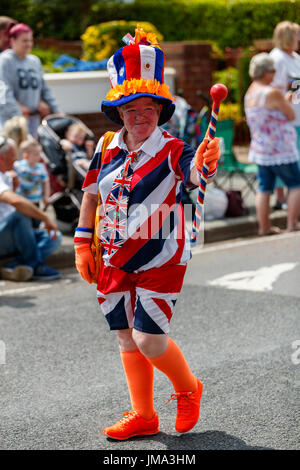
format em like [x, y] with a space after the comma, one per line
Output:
[145, 246]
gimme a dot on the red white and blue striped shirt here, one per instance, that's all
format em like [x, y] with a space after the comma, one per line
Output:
[156, 233]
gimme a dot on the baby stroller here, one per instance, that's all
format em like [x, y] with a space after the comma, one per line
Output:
[66, 177]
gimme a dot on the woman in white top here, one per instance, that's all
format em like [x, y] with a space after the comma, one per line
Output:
[287, 64]
[287, 78]
[273, 142]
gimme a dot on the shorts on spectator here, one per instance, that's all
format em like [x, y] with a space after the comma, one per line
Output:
[288, 173]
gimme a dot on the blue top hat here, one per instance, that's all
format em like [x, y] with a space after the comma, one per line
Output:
[137, 70]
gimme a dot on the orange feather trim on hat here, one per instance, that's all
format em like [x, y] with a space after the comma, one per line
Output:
[142, 37]
[133, 86]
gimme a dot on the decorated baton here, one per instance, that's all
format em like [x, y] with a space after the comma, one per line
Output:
[218, 92]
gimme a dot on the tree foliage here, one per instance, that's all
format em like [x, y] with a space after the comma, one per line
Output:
[227, 22]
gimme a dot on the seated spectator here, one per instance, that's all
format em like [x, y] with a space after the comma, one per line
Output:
[79, 145]
[6, 24]
[32, 175]
[26, 92]
[16, 129]
[17, 235]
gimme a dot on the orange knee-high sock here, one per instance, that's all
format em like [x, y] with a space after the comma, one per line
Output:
[139, 376]
[172, 363]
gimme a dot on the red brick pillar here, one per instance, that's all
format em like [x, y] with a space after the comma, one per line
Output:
[193, 65]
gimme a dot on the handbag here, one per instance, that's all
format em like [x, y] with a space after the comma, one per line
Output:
[235, 206]
[96, 246]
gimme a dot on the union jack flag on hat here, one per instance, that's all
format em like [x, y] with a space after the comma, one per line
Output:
[137, 70]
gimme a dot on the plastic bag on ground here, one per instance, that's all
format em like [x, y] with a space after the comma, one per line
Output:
[215, 202]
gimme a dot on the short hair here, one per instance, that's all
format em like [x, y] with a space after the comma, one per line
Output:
[27, 145]
[18, 29]
[76, 126]
[259, 64]
[284, 34]
[6, 22]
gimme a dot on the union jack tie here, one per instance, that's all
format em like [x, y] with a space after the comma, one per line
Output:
[114, 223]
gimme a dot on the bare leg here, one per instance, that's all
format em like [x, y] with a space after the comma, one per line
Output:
[262, 203]
[150, 345]
[280, 195]
[293, 210]
[125, 340]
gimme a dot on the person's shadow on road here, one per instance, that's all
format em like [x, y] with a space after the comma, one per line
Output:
[208, 440]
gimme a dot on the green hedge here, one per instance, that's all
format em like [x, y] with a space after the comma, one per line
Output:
[101, 40]
[230, 23]
[227, 22]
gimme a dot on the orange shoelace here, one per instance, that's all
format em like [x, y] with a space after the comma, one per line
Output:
[128, 416]
[183, 401]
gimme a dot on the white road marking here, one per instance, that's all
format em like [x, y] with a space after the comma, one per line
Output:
[261, 279]
[202, 249]
[22, 290]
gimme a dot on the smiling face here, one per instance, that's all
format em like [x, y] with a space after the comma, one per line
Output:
[140, 117]
[23, 44]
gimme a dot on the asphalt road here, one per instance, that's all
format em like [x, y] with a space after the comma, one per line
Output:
[237, 322]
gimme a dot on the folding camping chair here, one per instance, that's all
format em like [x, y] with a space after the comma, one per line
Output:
[229, 165]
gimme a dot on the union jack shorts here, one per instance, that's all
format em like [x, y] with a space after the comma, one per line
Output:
[144, 301]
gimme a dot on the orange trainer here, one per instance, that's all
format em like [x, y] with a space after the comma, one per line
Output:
[188, 408]
[132, 425]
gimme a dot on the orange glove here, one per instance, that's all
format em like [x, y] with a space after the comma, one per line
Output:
[84, 261]
[208, 152]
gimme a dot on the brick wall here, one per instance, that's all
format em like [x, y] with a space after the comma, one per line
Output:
[72, 48]
[192, 62]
